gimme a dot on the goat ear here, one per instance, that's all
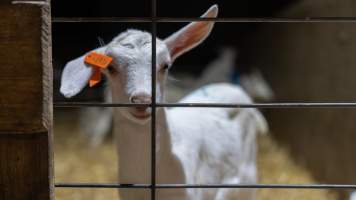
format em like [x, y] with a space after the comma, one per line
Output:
[76, 75]
[191, 35]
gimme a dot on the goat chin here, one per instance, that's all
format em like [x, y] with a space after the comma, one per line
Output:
[134, 119]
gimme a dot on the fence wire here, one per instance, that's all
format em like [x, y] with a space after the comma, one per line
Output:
[153, 19]
[190, 19]
[153, 185]
[197, 186]
[211, 105]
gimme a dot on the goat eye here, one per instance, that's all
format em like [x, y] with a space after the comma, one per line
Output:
[165, 67]
[111, 69]
[128, 45]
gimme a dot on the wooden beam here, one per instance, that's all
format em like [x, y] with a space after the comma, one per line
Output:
[26, 168]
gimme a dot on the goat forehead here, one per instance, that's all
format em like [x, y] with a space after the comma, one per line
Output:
[137, 40]
[132, 39]
[136, 46]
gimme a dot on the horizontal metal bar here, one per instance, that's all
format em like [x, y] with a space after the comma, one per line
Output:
[38, 3]
[196, 186]
[264, 19]
[99, 19]
[189, 19]
[94, 104]
[259, 105]
[214, 105]
[100, 185]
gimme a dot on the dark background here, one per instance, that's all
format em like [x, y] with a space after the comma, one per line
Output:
[71, 40]
[303, 62]
[182, 8]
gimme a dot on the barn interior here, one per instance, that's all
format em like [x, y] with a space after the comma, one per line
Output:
[297, 61]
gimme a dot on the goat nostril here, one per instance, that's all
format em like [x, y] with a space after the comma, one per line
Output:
[141, 99]
[144, 99]
[133, 99]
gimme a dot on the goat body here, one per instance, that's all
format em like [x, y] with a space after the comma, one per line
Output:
[194, 146]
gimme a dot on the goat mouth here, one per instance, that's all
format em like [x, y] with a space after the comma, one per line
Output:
[140, 114]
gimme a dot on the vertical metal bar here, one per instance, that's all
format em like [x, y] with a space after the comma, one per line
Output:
[153, 105]
[153, 117]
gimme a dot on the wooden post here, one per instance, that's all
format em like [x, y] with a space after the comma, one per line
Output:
[26, 168]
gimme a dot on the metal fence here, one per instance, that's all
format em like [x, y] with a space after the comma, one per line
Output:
[154, 19]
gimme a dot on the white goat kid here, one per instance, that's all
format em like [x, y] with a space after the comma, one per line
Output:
[194, 145]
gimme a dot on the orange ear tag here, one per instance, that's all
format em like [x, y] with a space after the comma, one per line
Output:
[97, 61]
[95, 77]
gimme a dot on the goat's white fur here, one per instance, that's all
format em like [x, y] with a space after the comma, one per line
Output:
[194, 145]
[352, 195]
